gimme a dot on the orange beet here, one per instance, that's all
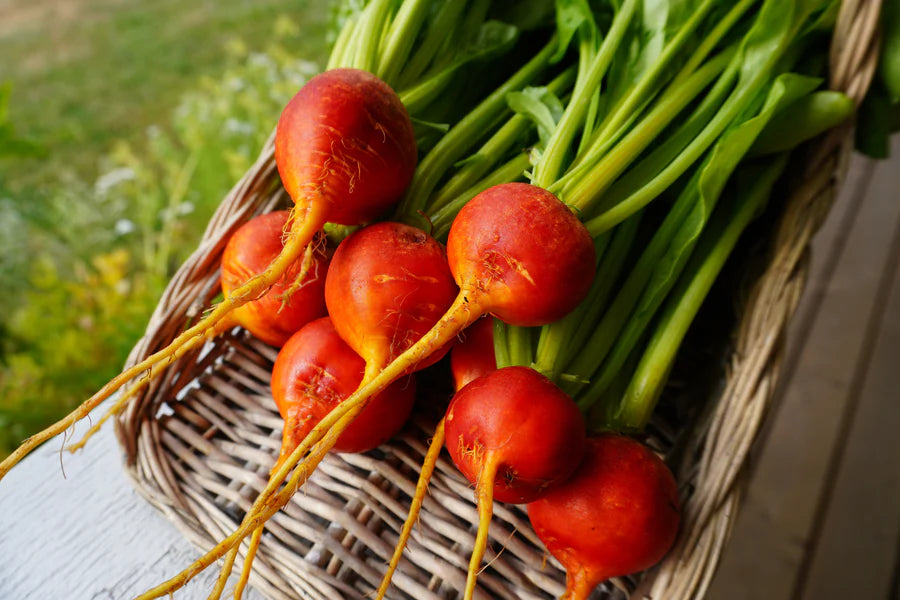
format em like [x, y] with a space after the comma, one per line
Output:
[473, 354]
[314, 372]
[345, 141]
[515, 435]
[388, 284]
[522, 425]
[618, 514]
[521, 254]
[273, 317]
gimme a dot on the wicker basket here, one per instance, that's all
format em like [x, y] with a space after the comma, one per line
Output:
[199, 441]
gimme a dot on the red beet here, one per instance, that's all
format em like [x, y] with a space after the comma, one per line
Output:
[521, 254]
[515, 435]
[345, 142]
[618, 514]
[516, 421]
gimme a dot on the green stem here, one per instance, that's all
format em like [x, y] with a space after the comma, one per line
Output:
[605, 336]
[444, 24]
[496, 147]
[636, 177]
[343, 45]
[550, 167]
[606, 282]
[467, 132]
[626, 112]
[712, 39]
[594, 179]
[646, 385]
[416, 98]
[555, 340]
[501, 345]
[404, 30]
[519, 342]
[744, 93]
[371, 31]
[588, 50]
[479, 163]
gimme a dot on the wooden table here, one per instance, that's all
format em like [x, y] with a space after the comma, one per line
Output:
[72, 527]
[822, 513]
[821, 518]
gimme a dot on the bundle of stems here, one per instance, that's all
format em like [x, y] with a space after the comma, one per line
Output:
[673, 101]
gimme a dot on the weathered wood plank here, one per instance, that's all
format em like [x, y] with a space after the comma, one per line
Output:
[87, 535]
[774, 527]
[854, 543]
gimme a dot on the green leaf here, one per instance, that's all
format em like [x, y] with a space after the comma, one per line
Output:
[803, 120]
[494, 38]
[573, 17]
[659, 19]
[539, 105]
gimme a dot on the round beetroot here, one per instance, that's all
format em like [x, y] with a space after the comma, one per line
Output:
[314, 372]
[346, 141]
[521, 253]
[618, 514]
[515, 435]
[273, 317]
[388, 284]
[520, 424]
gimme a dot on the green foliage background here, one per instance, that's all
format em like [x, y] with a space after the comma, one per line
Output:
[103, 193]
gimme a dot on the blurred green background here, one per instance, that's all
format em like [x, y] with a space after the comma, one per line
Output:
[122, 126]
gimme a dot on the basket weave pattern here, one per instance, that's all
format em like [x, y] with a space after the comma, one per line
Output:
[200, 440]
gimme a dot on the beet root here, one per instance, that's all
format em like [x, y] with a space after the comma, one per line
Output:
[294, 300]
[314, 372]
[387, 286]
[515, 435]
[522, 254]
[618, 514]
[346, 141]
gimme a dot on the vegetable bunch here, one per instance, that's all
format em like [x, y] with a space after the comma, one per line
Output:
[569, 178]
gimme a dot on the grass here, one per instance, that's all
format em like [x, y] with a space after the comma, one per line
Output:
[96, 85]
[88, 73]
